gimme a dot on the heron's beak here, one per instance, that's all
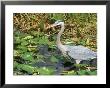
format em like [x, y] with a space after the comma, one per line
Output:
[50, 26]
[53, 25]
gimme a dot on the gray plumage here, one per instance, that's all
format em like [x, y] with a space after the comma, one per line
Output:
[78, 53]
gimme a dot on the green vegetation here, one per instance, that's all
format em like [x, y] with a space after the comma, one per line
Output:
[35, 51]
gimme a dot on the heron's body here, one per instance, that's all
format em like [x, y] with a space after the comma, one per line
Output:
[78, 53]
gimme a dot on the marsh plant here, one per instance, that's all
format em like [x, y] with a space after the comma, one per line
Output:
[35, 48]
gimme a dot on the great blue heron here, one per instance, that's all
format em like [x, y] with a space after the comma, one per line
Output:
[78, 53]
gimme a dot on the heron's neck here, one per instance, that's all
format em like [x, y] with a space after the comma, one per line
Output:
[59, 35]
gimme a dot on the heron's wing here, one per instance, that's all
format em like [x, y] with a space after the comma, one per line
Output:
[80, 52]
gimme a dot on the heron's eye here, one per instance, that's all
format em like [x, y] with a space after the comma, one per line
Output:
[57, 26]
[57, 23]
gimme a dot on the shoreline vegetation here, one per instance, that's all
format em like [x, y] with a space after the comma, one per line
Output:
[35, 50]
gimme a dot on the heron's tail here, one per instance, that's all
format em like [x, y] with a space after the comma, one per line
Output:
[94, 55]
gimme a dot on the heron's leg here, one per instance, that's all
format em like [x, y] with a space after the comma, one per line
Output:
[78, 61]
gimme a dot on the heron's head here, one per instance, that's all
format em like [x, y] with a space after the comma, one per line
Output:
[58, 22]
